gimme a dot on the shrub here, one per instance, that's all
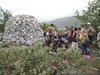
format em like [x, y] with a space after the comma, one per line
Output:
[35, 60]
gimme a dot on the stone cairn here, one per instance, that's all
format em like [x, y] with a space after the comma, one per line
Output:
[22, 30]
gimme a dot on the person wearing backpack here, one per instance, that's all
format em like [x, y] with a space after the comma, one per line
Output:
[78, 34]
[90, 31]
[69, 36]
[75, 39]
[84, 40]
[98, 37]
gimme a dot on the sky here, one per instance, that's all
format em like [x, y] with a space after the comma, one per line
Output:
[44, 10]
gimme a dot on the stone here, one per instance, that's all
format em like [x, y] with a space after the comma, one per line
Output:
[23, 29]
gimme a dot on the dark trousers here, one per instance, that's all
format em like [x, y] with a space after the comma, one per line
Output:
[90, 38]
[85, 49]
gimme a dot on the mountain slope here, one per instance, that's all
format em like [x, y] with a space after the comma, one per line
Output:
[66, 21]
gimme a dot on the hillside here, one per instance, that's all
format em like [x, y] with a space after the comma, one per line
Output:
[66, 21]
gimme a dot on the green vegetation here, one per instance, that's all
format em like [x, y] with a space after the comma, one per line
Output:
[91, 14]
[4, 16]
[36, 60]
[45, 26]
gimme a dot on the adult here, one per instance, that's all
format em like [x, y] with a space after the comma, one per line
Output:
[98, 37]
[75, 39]
[51, 34]
[51, 29]
[78, 34]
[69, 36]
[84, 41]
[90, 31]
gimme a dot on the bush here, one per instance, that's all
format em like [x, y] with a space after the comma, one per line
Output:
[3, 45]
[35, 60]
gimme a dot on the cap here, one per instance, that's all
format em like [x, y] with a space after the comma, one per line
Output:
[98, 26]
[88, 23]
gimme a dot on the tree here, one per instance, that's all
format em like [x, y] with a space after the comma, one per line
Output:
[91, 14]
[4, 16]
[1, 15]
[7, 14]
[66, 27]
[45, 26]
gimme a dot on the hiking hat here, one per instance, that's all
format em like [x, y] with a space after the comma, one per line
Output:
[99, 27]
[88, 23]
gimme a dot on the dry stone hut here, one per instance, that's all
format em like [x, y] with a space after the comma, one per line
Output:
[22, 29]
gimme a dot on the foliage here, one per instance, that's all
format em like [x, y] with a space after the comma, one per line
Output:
[4, 16]
[45, 26]
[3, 45]
[36, 60]
[91, 14]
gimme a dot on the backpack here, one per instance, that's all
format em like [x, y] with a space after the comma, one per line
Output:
[84, 40]
[51, 35]
[75, 36]
[81, 37]
[69, 34]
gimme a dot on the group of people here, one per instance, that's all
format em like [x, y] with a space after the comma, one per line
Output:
[75, 38]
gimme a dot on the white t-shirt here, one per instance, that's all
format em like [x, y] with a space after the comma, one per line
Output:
[98, 36]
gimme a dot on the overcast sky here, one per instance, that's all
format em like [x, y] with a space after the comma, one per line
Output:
[44, 10]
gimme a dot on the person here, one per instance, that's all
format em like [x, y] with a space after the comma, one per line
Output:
[51, 34]
[79, 30]
[51, 28]
[74, 39]
[90, 31]
[84, 41]
[78, 34]
[98, 37]
[69, 36]
[45, 34]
